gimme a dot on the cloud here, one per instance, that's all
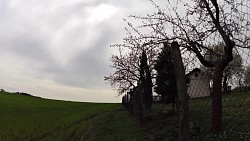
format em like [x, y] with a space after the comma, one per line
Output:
[100, 13]
[61, 44]
[88, 66]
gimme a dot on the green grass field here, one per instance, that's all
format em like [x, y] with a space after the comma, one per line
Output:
[24, 118]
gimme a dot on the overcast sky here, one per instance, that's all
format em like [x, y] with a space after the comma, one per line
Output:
[59, 49]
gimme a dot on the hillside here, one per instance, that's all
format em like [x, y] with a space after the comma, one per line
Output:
[26, 118]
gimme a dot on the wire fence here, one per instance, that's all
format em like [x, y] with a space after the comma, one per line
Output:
[161, 122]
[236, 113]
[163, 117]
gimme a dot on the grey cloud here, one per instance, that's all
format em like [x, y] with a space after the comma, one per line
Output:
[88, 67]
[85, 70]
[43, 35]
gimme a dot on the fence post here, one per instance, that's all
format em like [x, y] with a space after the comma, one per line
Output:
[181, 94]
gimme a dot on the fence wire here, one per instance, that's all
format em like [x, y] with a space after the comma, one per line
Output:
[235, 95]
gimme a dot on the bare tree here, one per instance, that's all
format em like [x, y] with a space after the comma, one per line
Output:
[126, 72]
[203, 23]
[126, 63]
[195, 25]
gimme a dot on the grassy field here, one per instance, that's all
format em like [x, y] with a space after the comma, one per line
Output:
[24, 118]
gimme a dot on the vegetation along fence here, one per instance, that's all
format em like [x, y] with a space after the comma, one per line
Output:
[185, 70]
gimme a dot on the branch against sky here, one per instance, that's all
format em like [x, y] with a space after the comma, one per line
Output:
[196, 25]
[205, 23]
[126, 63]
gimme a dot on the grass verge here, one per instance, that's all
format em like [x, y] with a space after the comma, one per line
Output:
[25, 118]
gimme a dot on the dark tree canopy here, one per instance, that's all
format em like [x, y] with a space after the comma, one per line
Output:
[145, 81]
[165, 78]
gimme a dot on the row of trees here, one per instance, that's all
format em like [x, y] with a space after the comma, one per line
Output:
[204, 25]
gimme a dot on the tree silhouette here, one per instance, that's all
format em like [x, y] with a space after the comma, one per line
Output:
[165, 78]
[145, 81]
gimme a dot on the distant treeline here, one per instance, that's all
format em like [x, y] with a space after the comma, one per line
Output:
[19, 93]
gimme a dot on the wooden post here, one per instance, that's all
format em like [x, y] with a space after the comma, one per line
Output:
[181, 93]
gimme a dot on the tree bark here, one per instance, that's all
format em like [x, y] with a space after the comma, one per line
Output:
[216, 125]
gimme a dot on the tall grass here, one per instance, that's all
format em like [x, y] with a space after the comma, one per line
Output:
[26, 118]
[118, 126]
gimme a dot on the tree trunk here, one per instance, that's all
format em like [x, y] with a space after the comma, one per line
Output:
[216, 123]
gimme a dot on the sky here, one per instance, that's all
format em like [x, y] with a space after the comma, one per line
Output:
[59, 49]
